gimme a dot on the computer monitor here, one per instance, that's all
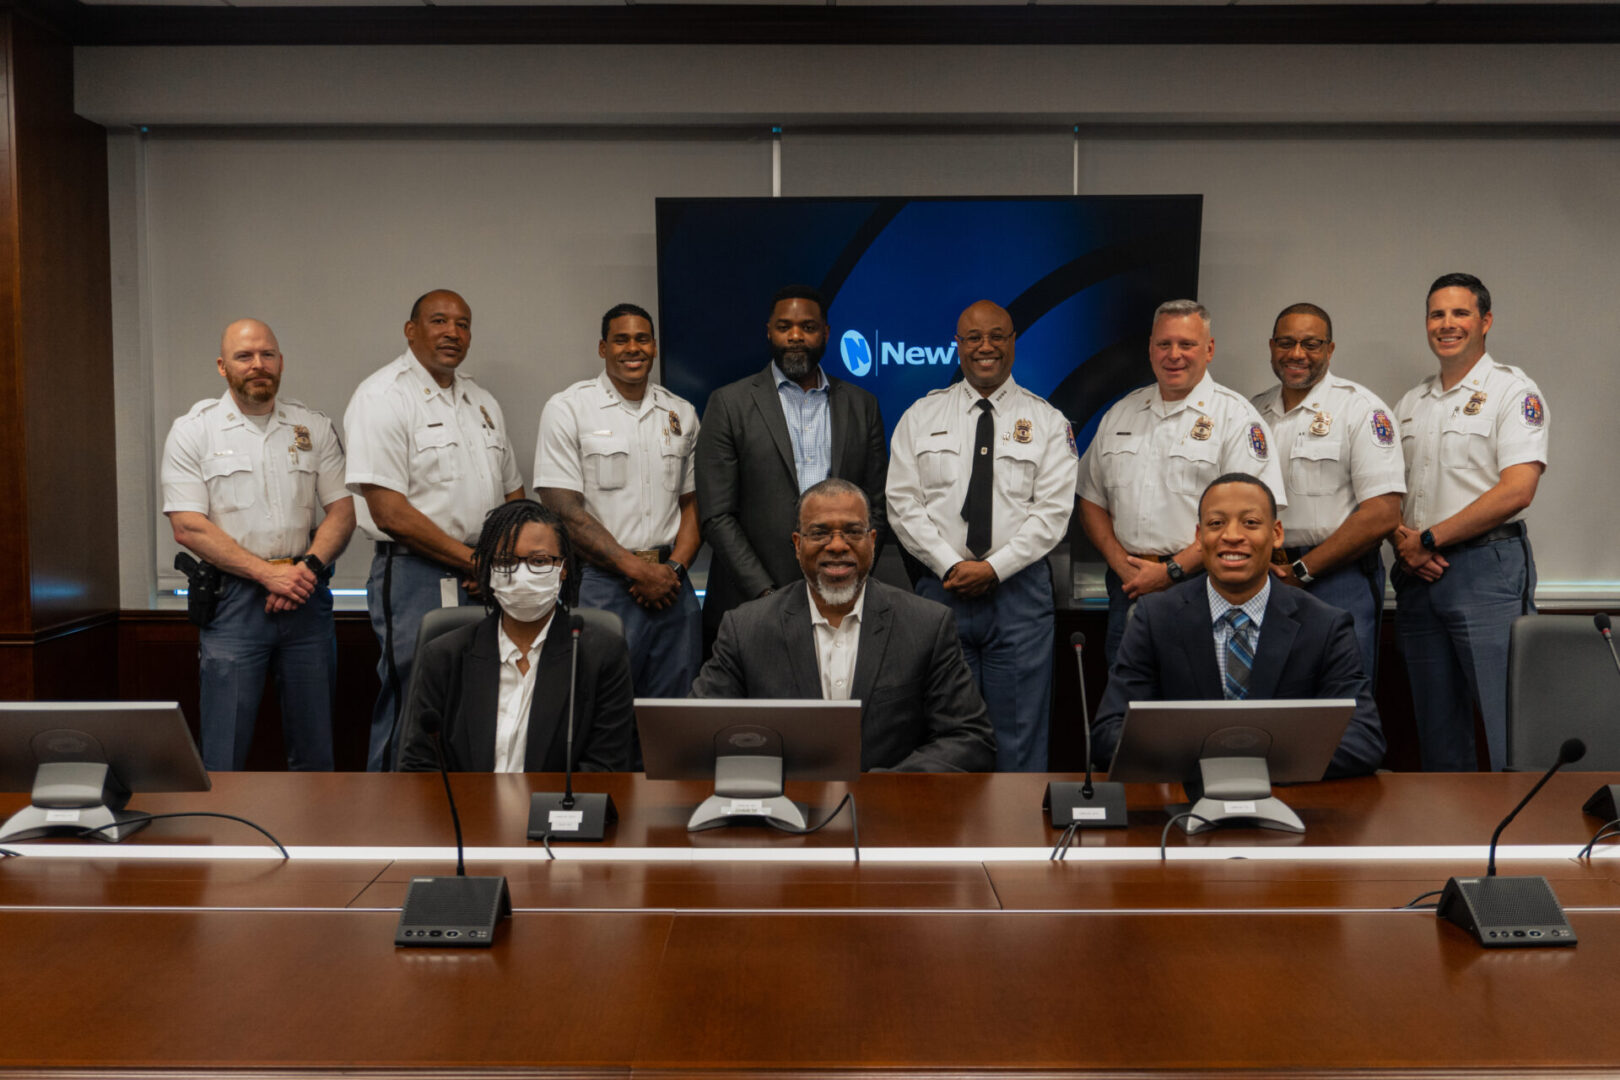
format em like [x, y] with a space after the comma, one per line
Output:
[1228, 753]
[749, 747]
[81, 761]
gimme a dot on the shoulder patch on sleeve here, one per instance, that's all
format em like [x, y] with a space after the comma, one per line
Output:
[1382, 428]
[1531, 411]
[1257, 442]
[1074, 450]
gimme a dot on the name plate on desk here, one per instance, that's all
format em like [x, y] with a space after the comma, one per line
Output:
[743, 806]
[62, 815]
[565, 820]
[1089, 813]
[1245, 807]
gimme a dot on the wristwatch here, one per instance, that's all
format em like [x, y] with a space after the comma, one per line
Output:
[1304, 575]
[677, 566]
[1173, 568]
[314, 563]
[1427, 540]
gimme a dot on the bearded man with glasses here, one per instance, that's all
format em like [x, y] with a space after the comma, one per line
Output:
[498, 689]
[846, 636]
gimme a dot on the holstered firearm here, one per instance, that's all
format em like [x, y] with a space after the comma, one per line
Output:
[205, 584]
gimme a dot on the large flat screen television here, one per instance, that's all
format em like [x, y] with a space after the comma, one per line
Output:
[1080, 275]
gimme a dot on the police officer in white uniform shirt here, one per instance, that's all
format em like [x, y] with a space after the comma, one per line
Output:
[1475, 441]
[1340, 454]
[245, 477]
[1154, 453]
[615, 460]
[429, 456]
[978, 491]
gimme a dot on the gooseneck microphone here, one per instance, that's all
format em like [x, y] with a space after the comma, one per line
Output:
[1088, 805]
[1601, 621]
[576, 623]
[563, 815]
[1604, 803]
[451, 911]
[1571, 751]
[1511, 912]
[1078, 641]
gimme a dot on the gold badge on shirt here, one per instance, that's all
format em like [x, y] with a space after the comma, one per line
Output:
[301, 439]
[1322, 424]
[674, 423]
[1474, 403]
[1023, 431]
[487, 421]
[1203, 428]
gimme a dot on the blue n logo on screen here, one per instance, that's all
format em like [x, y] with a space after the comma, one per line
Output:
[858, 358]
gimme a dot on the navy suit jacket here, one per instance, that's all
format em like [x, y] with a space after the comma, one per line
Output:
[1307, 649]
[748, 485]
[920, 711]
[458, 690]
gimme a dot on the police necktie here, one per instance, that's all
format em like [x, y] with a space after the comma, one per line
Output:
[976, 508]
[1239, 654]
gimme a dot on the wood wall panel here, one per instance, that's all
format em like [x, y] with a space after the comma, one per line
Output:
[14, 590]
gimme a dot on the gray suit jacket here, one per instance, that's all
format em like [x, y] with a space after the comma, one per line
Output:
[748, 486]
[920, 711]
[1307, 649]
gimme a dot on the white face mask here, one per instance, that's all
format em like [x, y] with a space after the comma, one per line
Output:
[525, 595]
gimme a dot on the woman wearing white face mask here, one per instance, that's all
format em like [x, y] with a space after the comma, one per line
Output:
[499, 689]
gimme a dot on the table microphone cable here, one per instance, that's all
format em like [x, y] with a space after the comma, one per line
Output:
[7, 853]
[1060, 850]
[144, 818]
[1164, 837]
[1612, 829]
[854, 823]
[1414, 902]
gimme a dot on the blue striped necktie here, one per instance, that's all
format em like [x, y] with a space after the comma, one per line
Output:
[1239, 654]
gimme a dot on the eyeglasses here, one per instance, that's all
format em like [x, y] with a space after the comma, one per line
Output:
[1286, 344]
[539, 565]
[973, 340]
[852, 534]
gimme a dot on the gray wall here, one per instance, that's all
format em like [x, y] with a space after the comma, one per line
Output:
[1351, 179]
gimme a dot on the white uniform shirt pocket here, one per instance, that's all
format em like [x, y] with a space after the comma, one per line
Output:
[1016, 466]
[939, 461]
[433, 453]
[1465, 442]
[1191, 465]
[1121, 458]
[230, 481]
[672, 459]
[607, 461]
[302, 476]
[1314, 466]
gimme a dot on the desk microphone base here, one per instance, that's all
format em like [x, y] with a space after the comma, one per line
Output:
[452, 912]
[1506, 912]
[1604, 803]
[586, 819]
[1067, 804]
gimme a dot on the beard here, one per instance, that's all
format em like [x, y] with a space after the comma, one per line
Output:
[258, 392]
[838, 595]
[797, 363]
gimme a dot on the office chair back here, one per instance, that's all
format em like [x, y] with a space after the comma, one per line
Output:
[1562, 682]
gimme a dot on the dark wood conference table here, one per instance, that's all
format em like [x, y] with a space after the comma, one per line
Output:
[953, 946]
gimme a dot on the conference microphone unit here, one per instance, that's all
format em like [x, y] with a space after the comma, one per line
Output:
[1605, 801]
[1511, 912]
[565, 815]
[1088, 805]
[460, 911]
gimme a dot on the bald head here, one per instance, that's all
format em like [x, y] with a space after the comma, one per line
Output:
[984, 342]
[250, 361]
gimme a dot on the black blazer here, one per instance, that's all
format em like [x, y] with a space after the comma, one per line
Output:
[1307, 649]
[748, 487]
[920, 711]
[459, 686]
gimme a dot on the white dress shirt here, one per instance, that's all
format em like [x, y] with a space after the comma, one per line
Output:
[1454, 455]
[1151, 460]
[837, 646]
[931, 462]
[632, 460]
[1338, 447]
[264, 487]
[516, 698]
[443, 448]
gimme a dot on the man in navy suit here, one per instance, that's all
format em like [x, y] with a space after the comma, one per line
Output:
[1241, 633]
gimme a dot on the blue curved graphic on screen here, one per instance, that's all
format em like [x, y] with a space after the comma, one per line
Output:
[856, 352]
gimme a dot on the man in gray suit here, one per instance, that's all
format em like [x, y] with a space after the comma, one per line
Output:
[844, 636]
[769, 437]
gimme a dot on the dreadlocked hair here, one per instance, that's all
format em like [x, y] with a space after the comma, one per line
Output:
[499, 537]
